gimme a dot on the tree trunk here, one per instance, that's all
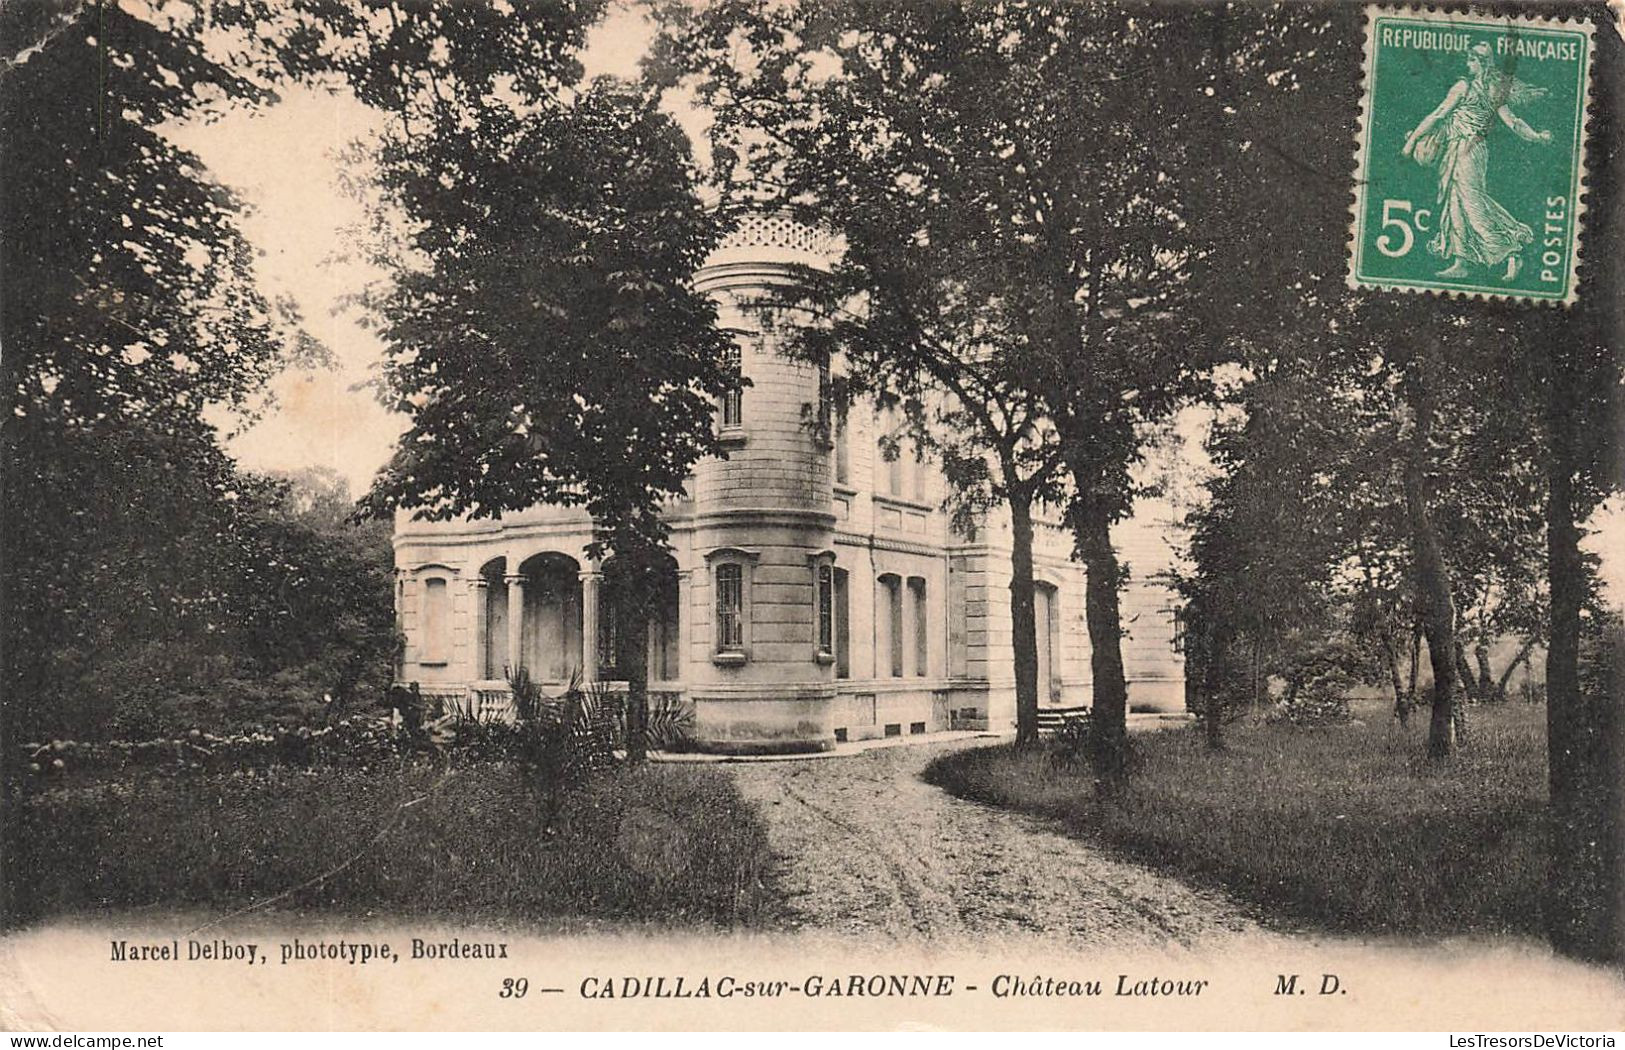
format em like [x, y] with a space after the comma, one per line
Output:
[1415, 670]
[1583, 905]
[1211, 672]
[1391, 659]
[1257, 660]
[1486, 680]
[639, 586]
[633, 661]
[1464, 671]
[1023, 621]
[1505, 680]
[1104, 619]
[1437, 608]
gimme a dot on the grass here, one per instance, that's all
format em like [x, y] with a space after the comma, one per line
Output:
[1348, 828]
[666, 845]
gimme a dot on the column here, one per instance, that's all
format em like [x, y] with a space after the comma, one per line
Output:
[516, 620]
[590, 580]
[480, 643]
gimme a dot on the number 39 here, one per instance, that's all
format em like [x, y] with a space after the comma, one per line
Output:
[1391, 216]
[513, 988]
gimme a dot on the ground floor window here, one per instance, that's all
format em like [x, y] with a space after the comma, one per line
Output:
[889, 626]
[826, 609]
[922, 628]
[730, 607]
[436, 621]
[843, 624]
[1046, 609]
[619, 602]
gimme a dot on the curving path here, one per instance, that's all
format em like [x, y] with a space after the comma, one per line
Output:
[870, 849]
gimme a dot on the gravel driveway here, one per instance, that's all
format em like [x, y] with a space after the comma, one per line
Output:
[868, 848]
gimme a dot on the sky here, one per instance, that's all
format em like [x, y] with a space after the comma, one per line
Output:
[282, 161]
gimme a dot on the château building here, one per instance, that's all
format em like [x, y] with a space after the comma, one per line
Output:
[818, 591]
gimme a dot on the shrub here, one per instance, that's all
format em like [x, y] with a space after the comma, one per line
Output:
[666, 844]
[1313, 707]
[1077, 741]
[351, 741]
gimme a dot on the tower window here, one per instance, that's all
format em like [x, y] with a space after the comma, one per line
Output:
[826, 609]
[730, 607]
[733, 401]
[825, 396]
[843, 452]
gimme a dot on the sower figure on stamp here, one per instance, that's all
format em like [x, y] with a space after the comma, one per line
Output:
[1473, 228]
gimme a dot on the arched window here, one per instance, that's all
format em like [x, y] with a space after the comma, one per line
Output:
[492, 635]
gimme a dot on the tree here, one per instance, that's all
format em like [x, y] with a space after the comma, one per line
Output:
[1264, 546]
[129, 304]
[1012, 234]
[1561, 369]
[317, 594]
[542, 333]
[1577, 359]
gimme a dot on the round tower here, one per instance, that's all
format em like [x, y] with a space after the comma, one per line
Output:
[762, 676]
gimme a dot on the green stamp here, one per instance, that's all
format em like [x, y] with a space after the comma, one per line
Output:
[1471, 154]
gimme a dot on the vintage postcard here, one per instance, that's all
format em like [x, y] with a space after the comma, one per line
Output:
[807, 515]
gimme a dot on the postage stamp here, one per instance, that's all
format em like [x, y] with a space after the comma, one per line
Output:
[1471, 154]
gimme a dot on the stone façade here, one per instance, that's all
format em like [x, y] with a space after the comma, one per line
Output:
[818, 592]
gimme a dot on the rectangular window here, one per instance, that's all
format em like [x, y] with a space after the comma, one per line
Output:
[609, 634]
[824, 398]
[730, 607]
[890, 450]
[891, 621]
[436, 622]
[1179, 630]
[664, 641]
[843, 454]
[733, 402]
[826, 609]
[843, 624]
[922, 630]
[958, 619]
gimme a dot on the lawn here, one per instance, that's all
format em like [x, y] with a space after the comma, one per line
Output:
[670, 845]
[1346, 827]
